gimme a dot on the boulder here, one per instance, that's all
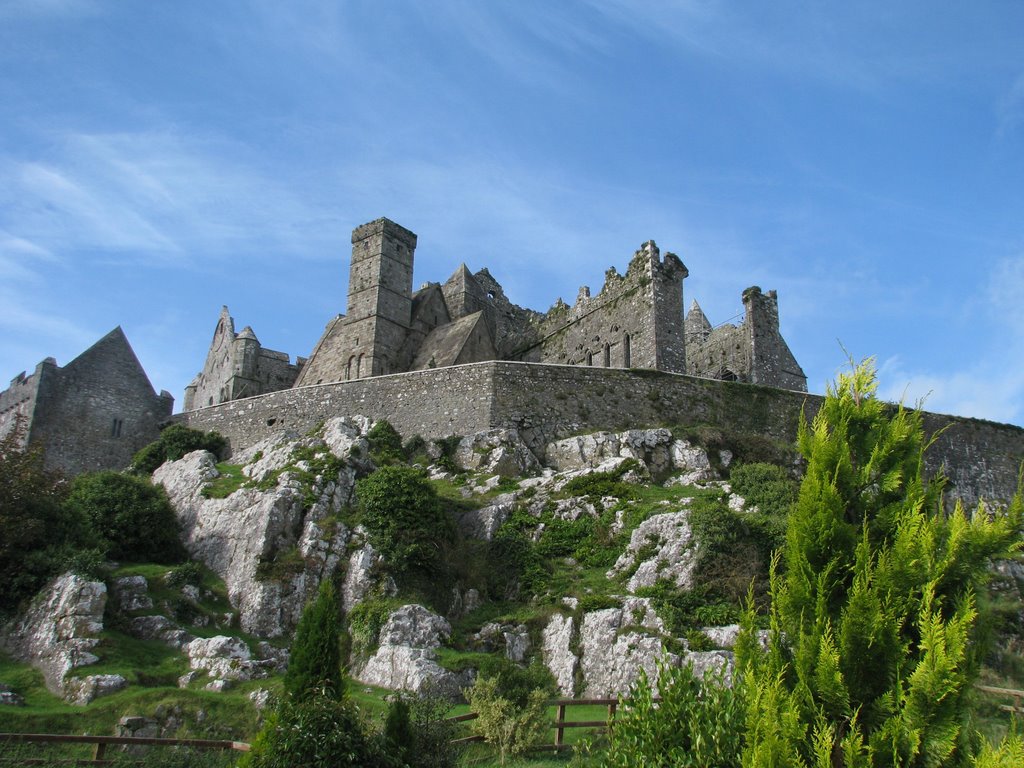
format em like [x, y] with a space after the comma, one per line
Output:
[558, 654]
[59, 630]
[484, 523]
[693, 464]
[406, 658]
[10, 698]
[225, 658]
[496, 451]
[365, 575]
[83, 690]
[238, 536]
[616, 644]
[132, 593]
[665, 544]
[158, 628]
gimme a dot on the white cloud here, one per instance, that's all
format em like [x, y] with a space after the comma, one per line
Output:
[153, 197]
[986, 381]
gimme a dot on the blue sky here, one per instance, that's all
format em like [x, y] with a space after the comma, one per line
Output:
[866, 160]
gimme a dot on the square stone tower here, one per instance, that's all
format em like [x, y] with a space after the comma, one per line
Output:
[379, 297]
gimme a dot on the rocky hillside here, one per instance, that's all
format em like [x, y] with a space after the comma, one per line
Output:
[624, 549]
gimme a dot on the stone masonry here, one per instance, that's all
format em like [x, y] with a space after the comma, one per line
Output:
[92, 414]
[634, 321]
[548, 402]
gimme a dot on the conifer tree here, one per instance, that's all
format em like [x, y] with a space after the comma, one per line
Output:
[315, 664]
[870, 657]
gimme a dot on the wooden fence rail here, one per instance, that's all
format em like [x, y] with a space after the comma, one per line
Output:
[560, 724]
[102, 742]
[1016, 708]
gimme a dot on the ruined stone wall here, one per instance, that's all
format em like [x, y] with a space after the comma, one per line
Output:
[99, 410]
[18, 402]
[753, 351]
[547, 402]
[635, 321]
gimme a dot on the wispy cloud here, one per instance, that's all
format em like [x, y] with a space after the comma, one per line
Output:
[986, 381]
[153, 197]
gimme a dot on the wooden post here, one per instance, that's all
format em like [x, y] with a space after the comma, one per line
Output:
[100, 751]
[611, 712]
[559, 729]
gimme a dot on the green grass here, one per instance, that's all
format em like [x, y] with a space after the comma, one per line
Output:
[230, 480]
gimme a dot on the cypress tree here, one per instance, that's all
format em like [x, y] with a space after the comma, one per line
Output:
[871, 651]
[315, 665]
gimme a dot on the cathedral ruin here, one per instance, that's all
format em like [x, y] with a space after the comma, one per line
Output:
[636, 320]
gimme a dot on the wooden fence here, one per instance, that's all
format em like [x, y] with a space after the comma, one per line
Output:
[1016, 708]
[560, 724]
[100, 744]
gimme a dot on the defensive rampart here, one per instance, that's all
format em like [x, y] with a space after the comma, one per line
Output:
[546, 402]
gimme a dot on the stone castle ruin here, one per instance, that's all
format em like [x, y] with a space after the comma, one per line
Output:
[635, 321]
[459, 358]
[94, 413]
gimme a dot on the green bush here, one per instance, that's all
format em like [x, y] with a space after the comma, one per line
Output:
[516, 683]
[37, 533]
[507, 726]
[699, 723]
[174, 442]
[767, 486]
[874, 644]
[385, 443]
[318, 732]
[404, 519]
[129, 514]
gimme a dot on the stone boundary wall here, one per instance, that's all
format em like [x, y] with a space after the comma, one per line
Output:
[433, 403]
[547, 402]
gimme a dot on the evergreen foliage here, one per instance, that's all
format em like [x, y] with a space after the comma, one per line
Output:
[872, 645]
[314, 668]
[404, 518]
[174, 442]
[130, 516]
[698, 724]
[317, 732]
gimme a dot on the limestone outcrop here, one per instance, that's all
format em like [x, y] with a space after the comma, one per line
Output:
[497, 452]
[655, 449]
[265, 539]
[57, 633]
[660, 548]
[406, 658]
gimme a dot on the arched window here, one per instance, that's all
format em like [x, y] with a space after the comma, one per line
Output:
[348, 368]
[625, 351]
[359, 366]
[607, 355]
[590, 358]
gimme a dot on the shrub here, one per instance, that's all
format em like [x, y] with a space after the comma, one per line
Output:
[174, 442]
[873, 643]
[404, 518]
[132, 516]
[190, 572]
[508, 727]
[699, 722]
[767, 486]
[314, 668]
[36, 531]
[318, 732]
[385, 443]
